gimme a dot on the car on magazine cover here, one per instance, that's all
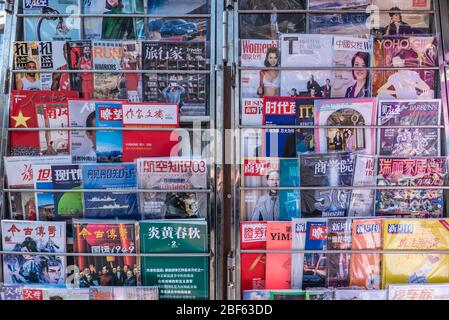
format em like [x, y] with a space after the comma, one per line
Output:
[178, 27]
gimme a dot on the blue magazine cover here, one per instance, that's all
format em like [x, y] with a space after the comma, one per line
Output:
[68, 205]
[316, 235]
[109, 143]
[315, 264]
[48, 27]
[45, 202]
[110, 204]
[305, 138]
[279, 111]
[290, 203]
[170, 7]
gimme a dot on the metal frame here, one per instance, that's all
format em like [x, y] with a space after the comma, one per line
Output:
[13, 28]
[439, 7]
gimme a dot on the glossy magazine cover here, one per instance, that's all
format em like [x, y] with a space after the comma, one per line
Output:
[168, 7]
[34, 236]
[68, 205]
[409, 141]
[278, 265]
[178, 29]
[80, 57]
[47, 27]
[270, 26]
[420, 291]
[362, 200]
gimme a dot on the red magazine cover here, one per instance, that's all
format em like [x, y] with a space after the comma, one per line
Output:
[253, 236]
[140, 144]
[23, 115]
[278, 270]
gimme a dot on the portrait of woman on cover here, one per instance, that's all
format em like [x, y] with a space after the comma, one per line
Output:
[360, 88]
[270, 80]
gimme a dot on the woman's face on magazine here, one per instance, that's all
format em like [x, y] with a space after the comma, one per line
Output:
[360, 74]
[113, 3]
[273, 59]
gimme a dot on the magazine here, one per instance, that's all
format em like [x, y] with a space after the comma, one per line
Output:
[299, 228]
[80, 57]
[278, 265]
[10, 292]
[321, 170]
[110, 205]
[405, 142]
[364, 269]
[365, 172]
[350, 52]
[253, 236]
[189, 91]
[270, 26]
[358, 294]
[272, 4]
[340, 4]
[340, 23]
[150, 143]
[409, 52]
[256, 295]
[106, 237]
[397, 23]
[425, 172]
[34, 236]
[345, 112]
[315, 264]
[176, 236]
[305, 115]
[287, 294]
[47, 27]
[107, 56]
[113, 28]
[130, 85]
[320, 294]
[252, 114]
[168, 7]
[45, 201]
[109, 143]
[65, 294]
[178, 29]
[339, 237]
[20, 175]
[421, 291]
[68, 205]
[172, 173]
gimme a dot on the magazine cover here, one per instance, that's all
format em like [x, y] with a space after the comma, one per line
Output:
[305, 83]
[420, 291]
[305, 115]
[34, 236]
[34, 55]
[53, 115]
[416, 234]
[340, 23]
[358, 294]
[10, 292]
[177, 29]
[299, 228]
[340, 4]
[287, 294]
[260, 53]
[109, 143]
[270, 26]
[278, 265]
[107, 56]
[130, 84]
[252, 112]
[365, 173]
[320, 295]
[414, 268]
[45, 201]
[364, 269]
[405, 142]
[253, 236]
[321, 170]
[279, 142]
[315, 264]
[398, 23]
[172, 173]
[290, 200]
[102, 293]
[168, 236]
[272, 4]
[113, 28]
[23, 115]
[256, 295]
[169, 7]
[345, 112]
[401, 52]
[103, 237]
[47, 27]
[350, 52]
[20, 175]
[136, 293]
[106, 86]
[150, 143]
[425, 172]
[65, 294]
[306, 50]
[189, 91]
[99, 205]
[158, 55]
[68, 205]
[79, 55]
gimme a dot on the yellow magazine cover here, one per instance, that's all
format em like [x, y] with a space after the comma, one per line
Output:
[416, 234]
[414, 268]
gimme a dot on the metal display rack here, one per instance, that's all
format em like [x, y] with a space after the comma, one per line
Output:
[439, 7]
[197, 126]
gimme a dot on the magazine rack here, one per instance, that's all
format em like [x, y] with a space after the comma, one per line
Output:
[198, 126]
[439, 12]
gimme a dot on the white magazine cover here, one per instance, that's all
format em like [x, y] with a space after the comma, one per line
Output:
[136, 293]
[34, 236]
[345, 112]
[354, 294]
[362, 201]
[304, 82]
[351, 52]
[299, 228]
[260, 53]
[252, 114]
[306, 50]
[177, 174]
[422, 291]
